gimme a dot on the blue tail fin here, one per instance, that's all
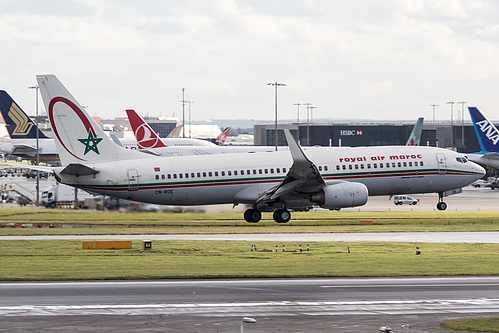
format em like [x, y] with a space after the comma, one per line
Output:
[18, 124]
[487, 133]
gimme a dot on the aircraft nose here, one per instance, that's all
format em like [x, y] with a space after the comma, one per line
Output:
[478, 170]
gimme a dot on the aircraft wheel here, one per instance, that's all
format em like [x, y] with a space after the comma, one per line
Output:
[441, 206]
[282, 215]
[252, 215]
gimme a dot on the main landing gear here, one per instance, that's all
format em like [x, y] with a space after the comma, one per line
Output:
[441, 205]
[253, 215]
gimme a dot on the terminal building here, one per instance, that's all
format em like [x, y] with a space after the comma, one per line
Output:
[460, 136]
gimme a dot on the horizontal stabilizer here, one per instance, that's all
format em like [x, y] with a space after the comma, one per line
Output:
[76, 169]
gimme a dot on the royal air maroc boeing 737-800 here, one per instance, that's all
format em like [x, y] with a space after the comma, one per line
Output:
[331, 178]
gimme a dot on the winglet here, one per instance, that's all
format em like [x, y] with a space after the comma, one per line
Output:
[296, 153]
[487, 133]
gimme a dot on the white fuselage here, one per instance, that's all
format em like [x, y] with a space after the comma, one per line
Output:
[242, 178]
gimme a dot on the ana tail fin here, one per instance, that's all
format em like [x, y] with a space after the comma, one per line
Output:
[220, 140]
[415, 136]
[486, 132]
[144, 134]
[78, 138]
[18, 124]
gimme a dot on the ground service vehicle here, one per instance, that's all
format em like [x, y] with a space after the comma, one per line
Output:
[405, 199]
[61, 194]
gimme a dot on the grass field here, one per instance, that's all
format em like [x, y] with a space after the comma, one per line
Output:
[67, 260]
[96, 222]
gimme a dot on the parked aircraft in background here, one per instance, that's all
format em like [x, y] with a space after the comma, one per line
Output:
[415, 136]
[220, 140]
[23, 131]
[488, 138]
[150, 142]
[332, 179]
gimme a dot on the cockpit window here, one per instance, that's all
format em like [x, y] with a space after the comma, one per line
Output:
[461, 159]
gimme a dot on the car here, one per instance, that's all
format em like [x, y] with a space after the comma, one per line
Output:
[404, 199]
[481, 183]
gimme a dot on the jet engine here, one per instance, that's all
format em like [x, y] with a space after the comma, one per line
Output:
[341, 195]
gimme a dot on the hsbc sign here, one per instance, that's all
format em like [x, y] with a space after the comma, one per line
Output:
[350, 132]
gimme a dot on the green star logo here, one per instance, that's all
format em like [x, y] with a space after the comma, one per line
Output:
[90, 143]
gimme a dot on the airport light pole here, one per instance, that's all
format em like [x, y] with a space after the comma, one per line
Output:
[297, 113]
[308, 119]
[434, 105]
[37, 145]
[451, 123]
[462, 122]
[275, 85]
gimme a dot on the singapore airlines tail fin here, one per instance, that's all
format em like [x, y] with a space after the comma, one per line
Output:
[18, 124]
[487, 133]
[220, 140]
[144, 134]
[415, 136]
[79, 140]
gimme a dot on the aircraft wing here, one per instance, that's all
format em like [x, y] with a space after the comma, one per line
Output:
[24, 149]
[492, 155]
[28, 166]
[302, 176]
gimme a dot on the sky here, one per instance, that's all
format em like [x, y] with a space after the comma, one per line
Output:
[358, 59]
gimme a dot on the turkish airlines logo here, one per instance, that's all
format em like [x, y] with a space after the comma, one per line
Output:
[489, 130]
[145, 138]
[23, 125]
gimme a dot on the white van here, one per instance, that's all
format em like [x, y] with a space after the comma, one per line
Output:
[404, 199]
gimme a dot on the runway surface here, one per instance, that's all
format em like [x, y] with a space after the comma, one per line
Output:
[422, 237]
[286, 305]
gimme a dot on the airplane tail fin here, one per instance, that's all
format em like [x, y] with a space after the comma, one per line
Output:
[144, 134]
[220, 140]
[415, 136]
[78, 138]
[486, 132]
[18, 124]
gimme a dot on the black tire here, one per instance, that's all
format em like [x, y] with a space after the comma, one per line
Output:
[252, 215]
[441, 206]
[282, 215]
[52, 205]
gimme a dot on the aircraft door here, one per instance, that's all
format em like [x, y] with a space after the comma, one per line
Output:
[133, 179]
[442, 164]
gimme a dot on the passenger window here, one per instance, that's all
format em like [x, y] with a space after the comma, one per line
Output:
[229, 173]
[204, 174]
[169, 176]
[394, 165]
[381, 165]
[186, 175]
[356, 166]
[266, 171]
[180, 175]
[369, 165]
[320, 168]
[210, 174]
[278, 170]
[362, 166]
[284, 170]
[325, 168]
[375, 165]
[254, 171]
[410, 164]
[162, 176]
[192, 175]
[416, 163]
[421, 163]
[337, 167]
[350, 166]
[223, 173]
[157, 176]
[175, 176]
[216, 173]
[405, 164]
[271, 170]
[399, 164]
[344, 167]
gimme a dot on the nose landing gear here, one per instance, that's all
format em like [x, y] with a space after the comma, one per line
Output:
[441, 205]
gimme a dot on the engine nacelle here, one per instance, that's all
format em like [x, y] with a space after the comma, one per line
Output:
[341, 195]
